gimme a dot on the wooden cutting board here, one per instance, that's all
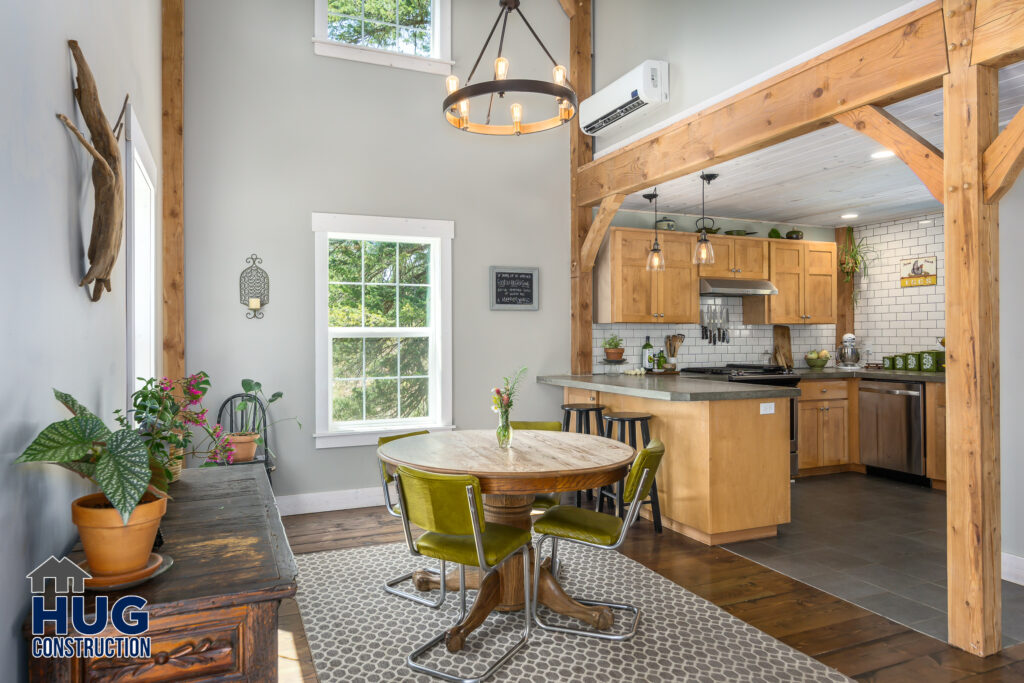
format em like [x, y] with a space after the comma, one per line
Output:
[782, 348]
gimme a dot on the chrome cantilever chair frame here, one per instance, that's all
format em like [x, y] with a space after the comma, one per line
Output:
[631, 515]
[390, 584]
[487, 571]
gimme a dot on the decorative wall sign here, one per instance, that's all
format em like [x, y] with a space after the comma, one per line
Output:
[515, 289]
[254, 288]
[918, 272]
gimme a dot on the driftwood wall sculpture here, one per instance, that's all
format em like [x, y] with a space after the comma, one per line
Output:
[107, 177]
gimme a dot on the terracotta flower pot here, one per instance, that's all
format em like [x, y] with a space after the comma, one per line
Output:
[244, 444]
[614, 354]
[111, 546]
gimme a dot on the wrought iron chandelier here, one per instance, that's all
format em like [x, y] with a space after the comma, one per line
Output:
[456, 105]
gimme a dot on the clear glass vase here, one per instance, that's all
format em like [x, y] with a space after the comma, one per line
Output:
[504, 431]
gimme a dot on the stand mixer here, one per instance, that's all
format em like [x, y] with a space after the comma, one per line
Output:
[847, 355]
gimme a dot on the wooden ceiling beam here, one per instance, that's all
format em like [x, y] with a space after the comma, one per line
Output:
[998, 33]
[903, 58]
[569, 7]
[1004, 159]
[598, 229]
[923, 158]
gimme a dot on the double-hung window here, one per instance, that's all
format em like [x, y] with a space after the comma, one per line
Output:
[411, 34]
[383, 323]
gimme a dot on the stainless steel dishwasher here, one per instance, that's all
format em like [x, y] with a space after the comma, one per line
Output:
[892, 425]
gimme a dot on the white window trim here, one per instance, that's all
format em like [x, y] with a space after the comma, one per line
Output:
[440, 65]
[324, 224]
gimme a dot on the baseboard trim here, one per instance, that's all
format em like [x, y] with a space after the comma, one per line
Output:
[326, 501]
[1013, 568]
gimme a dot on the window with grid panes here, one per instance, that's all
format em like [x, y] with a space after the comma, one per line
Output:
[402, 26]
[383, 334]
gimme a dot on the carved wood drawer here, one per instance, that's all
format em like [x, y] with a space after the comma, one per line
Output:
[198, 646]
[820, 390]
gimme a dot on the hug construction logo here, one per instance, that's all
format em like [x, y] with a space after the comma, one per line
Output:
[67, 612]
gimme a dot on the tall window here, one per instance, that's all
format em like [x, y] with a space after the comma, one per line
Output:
[140, 250]
[405, 33]
[383, 296]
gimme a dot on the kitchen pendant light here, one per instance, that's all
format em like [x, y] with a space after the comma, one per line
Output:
[655, 257]
[704, 253]
[456, 105]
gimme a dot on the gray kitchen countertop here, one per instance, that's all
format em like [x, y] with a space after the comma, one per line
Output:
[897, 375]
[669, 388]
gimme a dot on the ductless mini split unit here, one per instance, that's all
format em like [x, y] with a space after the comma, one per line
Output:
[638, 91]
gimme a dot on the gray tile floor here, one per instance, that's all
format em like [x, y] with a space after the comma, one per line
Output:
[877, 543]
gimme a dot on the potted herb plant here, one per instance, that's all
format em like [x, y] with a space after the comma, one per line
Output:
[503, 399]
[613, 349]
[250, 435]
[117, 525]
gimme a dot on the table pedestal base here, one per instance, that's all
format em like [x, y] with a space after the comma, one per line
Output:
[503, 590]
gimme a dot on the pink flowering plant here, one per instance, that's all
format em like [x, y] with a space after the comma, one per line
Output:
[172, 421]
[503, 400]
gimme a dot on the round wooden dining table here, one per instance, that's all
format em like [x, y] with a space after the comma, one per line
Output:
[535, 462]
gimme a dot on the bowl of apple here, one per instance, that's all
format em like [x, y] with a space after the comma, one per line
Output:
[816, 360]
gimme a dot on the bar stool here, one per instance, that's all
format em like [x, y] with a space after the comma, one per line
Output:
[582, 412]
[627, 423]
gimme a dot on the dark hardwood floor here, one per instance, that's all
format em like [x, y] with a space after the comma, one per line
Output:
[859, 643]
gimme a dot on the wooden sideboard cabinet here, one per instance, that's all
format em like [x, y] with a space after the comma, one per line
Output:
[213, 614]
[805, 274]
[626, 292]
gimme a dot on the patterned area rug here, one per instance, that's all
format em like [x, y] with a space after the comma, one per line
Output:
[357, 632]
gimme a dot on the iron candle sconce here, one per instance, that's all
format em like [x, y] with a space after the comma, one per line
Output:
[254, 288]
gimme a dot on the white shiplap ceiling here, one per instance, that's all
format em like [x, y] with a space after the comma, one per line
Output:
[815, 178]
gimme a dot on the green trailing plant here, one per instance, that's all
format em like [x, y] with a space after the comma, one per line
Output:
[613, 342]
[252, 418]
[853, 259]
[118, 462]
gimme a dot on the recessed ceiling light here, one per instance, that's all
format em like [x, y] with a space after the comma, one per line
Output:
[883, 154]
[849, 215]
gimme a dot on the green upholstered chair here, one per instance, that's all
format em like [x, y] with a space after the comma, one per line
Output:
[386, 478]
[542, 501]
[598, 530]
[449, 508]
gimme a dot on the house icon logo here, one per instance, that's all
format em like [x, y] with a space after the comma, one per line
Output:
[67, 576]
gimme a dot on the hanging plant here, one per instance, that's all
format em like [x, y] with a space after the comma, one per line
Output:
[853, 255]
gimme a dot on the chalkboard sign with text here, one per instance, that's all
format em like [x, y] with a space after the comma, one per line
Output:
[514, 289]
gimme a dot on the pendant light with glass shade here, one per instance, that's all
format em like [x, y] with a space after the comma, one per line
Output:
[655, 258]
[704, 253]
[456, 104]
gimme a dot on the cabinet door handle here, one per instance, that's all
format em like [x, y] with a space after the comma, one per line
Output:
[824, 390]
[739, 270]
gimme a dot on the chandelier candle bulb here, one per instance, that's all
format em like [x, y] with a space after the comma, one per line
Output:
[500, 69]
[451, 84]
[558, 74]
[517, 117]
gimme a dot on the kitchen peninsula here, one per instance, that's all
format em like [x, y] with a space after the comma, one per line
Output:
[726, 476]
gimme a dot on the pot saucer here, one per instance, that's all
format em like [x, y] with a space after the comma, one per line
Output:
[157, 564]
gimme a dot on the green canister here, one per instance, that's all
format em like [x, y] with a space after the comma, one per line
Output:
[899, 362]
[914, 360]
[932, 361]
[887, 362]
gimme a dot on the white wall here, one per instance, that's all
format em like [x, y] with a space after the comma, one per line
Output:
[713, 46]
[1011, 369]
[891, 319]
[274, 133]
[53, 335]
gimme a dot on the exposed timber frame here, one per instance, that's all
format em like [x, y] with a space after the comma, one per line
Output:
[953, 44]
[173, 187]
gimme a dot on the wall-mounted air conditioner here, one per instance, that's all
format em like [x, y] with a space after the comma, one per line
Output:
[641, 88]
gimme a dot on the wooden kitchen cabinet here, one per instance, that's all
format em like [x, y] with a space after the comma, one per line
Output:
[935, 433]
[625, 291]
[744, 258]
[805, 275]
[824, 428]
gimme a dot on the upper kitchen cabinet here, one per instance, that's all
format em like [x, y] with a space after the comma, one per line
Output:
[805, 275]
[737, 257]
[626, 292]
